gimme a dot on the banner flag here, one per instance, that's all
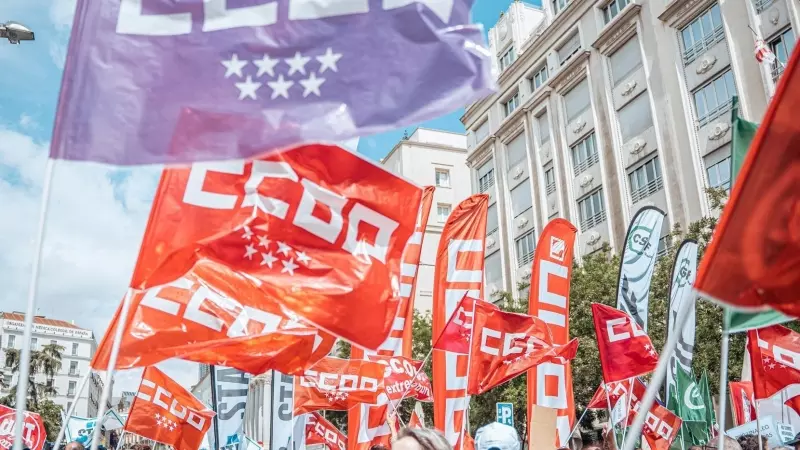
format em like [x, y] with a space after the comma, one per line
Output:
[681, 290]
[638, 262]
[625, 349]
[284, 434]
[33, 433]
[230, 397]
[743, 402]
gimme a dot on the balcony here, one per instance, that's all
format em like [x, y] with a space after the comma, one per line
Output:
[690, 54]
[647, 190]
[586, 163]
[550, 188]
[777, 71]
[593, 221]
[762, 5]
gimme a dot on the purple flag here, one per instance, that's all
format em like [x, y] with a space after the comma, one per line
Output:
[175, 81]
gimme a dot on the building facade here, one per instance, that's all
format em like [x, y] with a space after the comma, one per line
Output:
[605, 106]
[79, 347]
[432, 158]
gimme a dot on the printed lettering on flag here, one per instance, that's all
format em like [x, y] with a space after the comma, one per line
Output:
[458, 272]
[325, 244]
[286, 72]
[550, 383]
[775, 362]
[506, 344]
[625, 349]
[33, 432]
[681, 290]
[166, 412]
[404, 376]
[742, 402]
[336, 384]
[320, 431]
[214, 316]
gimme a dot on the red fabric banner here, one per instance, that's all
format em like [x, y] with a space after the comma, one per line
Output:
[774, 362]
[743, 402]
[33, 433]
[337, 384]
[625, 349]
[320, 431]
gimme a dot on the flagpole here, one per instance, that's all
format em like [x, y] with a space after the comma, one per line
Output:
[577, 424]
[613, 430]
[658, 377]
[627, 408]
[723, 382]
[62, 432]
[758, 410]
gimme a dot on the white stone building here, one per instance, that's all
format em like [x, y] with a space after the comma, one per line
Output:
[432, 158]
[79, 348]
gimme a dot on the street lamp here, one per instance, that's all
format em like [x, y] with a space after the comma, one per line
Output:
[15, 32]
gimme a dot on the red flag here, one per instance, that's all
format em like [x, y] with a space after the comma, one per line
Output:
[320, 431]
[742, 402]
[203, 317]
[459, 270]
[399, 378]
[625, 349]
[455, 336]
[416, 418]
[550, 384]
[336, 384]
[754, 256]
[33, 432]
[608, 393]
[316, 228]
[505, 344]
[661, 426]
[166, 412]
[774, 360]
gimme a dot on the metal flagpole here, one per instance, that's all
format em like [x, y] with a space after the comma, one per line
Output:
[71, 409]
[215, 421]
[658, 377]
[758, 413]
[606, 387]
[577, 424]
[723, 384]
[25, 357]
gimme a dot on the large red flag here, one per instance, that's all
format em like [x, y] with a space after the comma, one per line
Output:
[625, 349]
[316, 228]
[367, 423]
[337, 384]
[774, 361]
[320, 431]
[753, 259]
[743, 402]
[166, 412]
[33, 432]
[505, 344]
[459, 271]
[203, 317]
[550, 384]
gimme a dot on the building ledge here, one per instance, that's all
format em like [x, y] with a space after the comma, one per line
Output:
[482, 152]
[570, 74]
[618, 31]
[679, 13]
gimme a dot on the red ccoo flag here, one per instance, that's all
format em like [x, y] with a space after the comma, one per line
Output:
[625, 349]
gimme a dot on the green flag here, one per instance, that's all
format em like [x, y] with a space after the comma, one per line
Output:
[691, 408]
[743, 133]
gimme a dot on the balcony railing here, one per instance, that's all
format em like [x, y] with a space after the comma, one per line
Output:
[647, 190]
[719, 111]
[551, 188]
[586, 163]
[761, 5]
[777, 71]
[691, 53]
[525, 259]
[593, 221]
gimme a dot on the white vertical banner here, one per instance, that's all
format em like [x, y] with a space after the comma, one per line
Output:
[285, 427]
[638, 262]
[684, 271]
[231, 403]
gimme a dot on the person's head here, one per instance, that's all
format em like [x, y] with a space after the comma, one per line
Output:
[420, 439]
[728, 444]
[378, 447]
[497, 436]
[592, 440]
[750, 442]
[75, 445]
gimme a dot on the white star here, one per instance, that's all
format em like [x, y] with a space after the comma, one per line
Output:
[250, 250]
[247, 233]
[266, 65]
[248, 88]
[283, 248]
[652, 352]
[297, 63]
[157, 416]
[268, 259]
[263, 241]
[312, 84]
[647, 346]
[303, 258]
[234, 66]
[772, 366]
[289, 266]
[280, 87]
[328, 61]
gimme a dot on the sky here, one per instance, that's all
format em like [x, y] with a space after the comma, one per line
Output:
[97, 213]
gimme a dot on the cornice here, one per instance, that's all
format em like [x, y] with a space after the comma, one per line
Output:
[572, 73]
[618, 31]
[509, 121]
[482, 152]
[680, 12]
[539, 96]
[511, 127]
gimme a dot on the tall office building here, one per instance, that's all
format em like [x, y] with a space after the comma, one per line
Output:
[432, 158]
[607, 106]
[79, 347]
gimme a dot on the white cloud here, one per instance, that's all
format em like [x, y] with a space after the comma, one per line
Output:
[62, 12]
[26, 121]
[96, 218]
[58, 53]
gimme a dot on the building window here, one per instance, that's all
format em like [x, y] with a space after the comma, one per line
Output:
[550, 180]
[635, 117]
[442, 212]
[10, 342]
[521, 200]
[491, 220]
[592, 210]
[719, 174]
[74, 348]
[577, 100]
[715, 98]
[558, 5]
[511, 105]
[625, 61]
[526, 244]
[544, 128]
[762, 5]
[508, 58]
[516, 151]
[481, 132]
[646, 180]
[539, 78]
[700, 35]
[664, 244]
[69, 406]
[7, 379]
[486, 177]
[782, 47]
[53, 342]
[34, 343]
[443, 178]
[613, 8]
[73, 367]
[71, 388]
[584, 155]
[494, 272]
[572, 46]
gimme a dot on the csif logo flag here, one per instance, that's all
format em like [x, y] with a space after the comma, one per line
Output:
[550, 383]
[681, 290]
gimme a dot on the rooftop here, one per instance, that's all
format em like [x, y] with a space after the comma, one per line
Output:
[41, 320]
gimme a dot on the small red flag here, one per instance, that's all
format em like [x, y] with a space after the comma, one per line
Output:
[337, 384]
[625, 349]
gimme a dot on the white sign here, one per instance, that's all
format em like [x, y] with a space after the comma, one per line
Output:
[785, 431]
[768, 430]
[16, 325]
